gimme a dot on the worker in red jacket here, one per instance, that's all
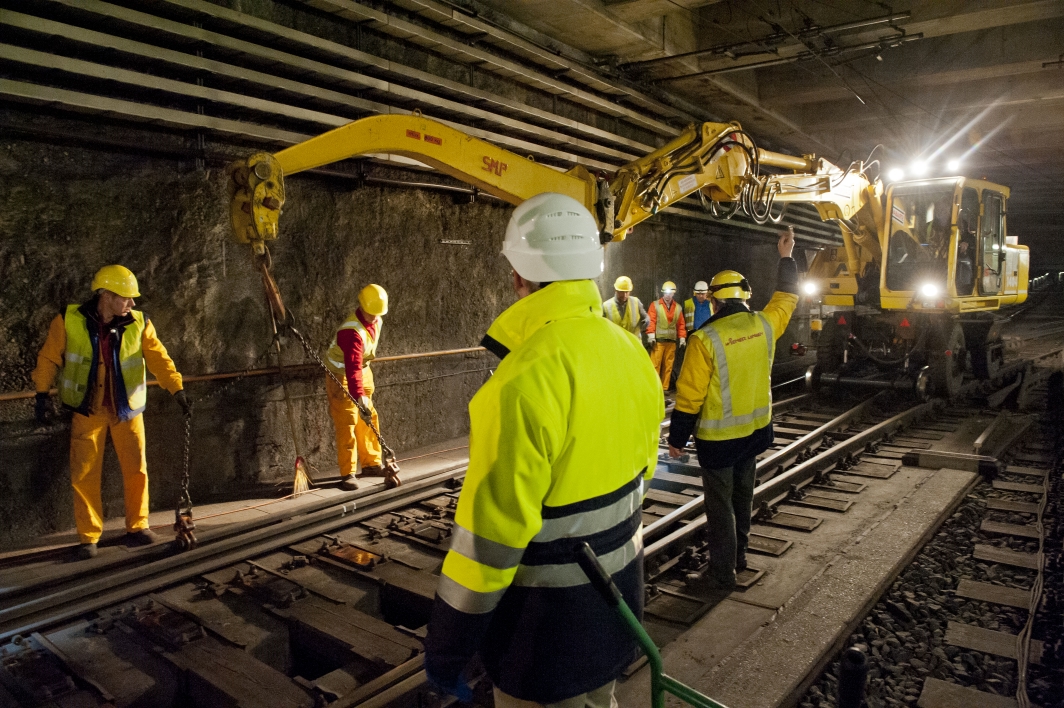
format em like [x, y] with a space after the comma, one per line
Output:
[349, 355]
[666, 332]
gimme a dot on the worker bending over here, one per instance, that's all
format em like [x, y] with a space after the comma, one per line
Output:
[664, 329]
[102, 351]
[545, 475]
[724, 396]
[349, 355]
[696, 309]
[625, 309]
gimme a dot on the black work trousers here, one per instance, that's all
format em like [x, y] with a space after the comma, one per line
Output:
[729, 494]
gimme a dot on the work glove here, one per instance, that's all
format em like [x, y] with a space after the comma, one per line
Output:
[365, 409]
[450, 686]
[185, 402]
[683, 342]
[650, 340]
[43, 409]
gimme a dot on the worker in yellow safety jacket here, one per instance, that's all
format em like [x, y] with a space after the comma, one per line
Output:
[102, 351]
[353, 347]
[666, 332]
[559, 455]
[724, 397]
[624, 309]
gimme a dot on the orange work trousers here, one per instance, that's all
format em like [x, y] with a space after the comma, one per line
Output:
[662, 356]
[88, 435]
[353, 436]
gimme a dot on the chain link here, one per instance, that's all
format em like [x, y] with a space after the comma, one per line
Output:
[185, 501]
[363, 411]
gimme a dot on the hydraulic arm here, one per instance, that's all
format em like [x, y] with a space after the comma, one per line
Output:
[719, 161]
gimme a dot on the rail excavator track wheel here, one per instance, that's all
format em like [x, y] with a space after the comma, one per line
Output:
[946, 358]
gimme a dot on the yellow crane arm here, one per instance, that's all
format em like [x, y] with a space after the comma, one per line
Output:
[718, 160]
[257, 184]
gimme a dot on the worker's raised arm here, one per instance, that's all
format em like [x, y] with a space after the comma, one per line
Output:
[779, 309]
[50, 358]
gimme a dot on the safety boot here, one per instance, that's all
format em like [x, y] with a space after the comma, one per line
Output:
[86, 551]
[348, 483]
[372, 471]
[142, 537]
[705, 584]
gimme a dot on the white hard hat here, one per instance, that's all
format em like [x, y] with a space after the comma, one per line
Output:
[701, 287]
[553, 237]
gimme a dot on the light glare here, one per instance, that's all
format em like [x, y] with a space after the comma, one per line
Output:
[929, 290]
[953, 165]
[809, 287]
[896, 174]
[919, 168]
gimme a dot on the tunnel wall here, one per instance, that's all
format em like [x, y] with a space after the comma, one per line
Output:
[66, 211]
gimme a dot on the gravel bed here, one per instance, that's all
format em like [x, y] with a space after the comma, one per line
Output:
[904, 635]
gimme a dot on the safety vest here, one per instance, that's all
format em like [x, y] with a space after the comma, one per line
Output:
[335, 356]
[81, 359]
[689, 313]
[545, 475]
[666, 329]
[629, 320]
[739, 398]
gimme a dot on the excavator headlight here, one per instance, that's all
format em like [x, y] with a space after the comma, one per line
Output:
[895, 175]
[930, 291]
[810, 288]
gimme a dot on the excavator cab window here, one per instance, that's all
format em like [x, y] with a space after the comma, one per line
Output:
[992, 236]
[967, 221]
[921, 219]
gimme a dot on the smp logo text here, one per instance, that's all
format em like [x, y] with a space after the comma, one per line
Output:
[496, 167]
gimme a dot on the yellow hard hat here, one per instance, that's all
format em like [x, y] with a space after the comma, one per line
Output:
[118, 279]
[730, 285]
[623, 284]
[373, 300]
[668, 285]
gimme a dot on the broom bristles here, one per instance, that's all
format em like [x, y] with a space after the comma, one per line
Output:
[301, 483]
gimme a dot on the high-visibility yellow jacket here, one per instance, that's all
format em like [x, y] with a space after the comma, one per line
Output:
[727, 373]
[72, 347]
[630, 318]
[558, 455]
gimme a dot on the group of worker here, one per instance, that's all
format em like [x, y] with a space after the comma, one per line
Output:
[560, 454]
[666, 331]
[103, 349]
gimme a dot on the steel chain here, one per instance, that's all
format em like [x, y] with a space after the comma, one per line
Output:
[363, 411]
[185, 500]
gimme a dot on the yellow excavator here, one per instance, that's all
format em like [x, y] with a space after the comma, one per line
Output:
[906, 301]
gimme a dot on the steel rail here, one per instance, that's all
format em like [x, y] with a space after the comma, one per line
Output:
[97, 566]
[778, 488]
[95, 595]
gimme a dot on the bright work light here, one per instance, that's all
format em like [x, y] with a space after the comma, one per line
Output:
[930, 290]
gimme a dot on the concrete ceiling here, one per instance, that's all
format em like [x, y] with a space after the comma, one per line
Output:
[932, 79]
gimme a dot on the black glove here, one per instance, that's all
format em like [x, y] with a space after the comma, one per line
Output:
[183, 400]
[42, 408]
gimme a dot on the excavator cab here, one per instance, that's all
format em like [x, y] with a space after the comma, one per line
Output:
[922, 312]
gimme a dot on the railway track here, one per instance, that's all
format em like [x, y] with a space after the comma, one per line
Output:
[327, 605]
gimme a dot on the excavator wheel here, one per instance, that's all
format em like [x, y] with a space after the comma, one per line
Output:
[831, 345]
[987, 358]
[946, 358]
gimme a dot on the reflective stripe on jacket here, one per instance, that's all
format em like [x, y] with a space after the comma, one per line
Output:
[126, 369]
[334, 357]
[689, 314]
[666, 324]
[727, 372]
[629, 320]
[545, 475]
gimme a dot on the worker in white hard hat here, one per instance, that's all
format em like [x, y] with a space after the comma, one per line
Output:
[696, 310]
[559, 455]
[666, 331]
[352, 349]
[102, 351]
[624, 309]
[724, 397]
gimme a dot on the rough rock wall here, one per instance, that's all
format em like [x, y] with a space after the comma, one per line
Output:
[65, 211]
